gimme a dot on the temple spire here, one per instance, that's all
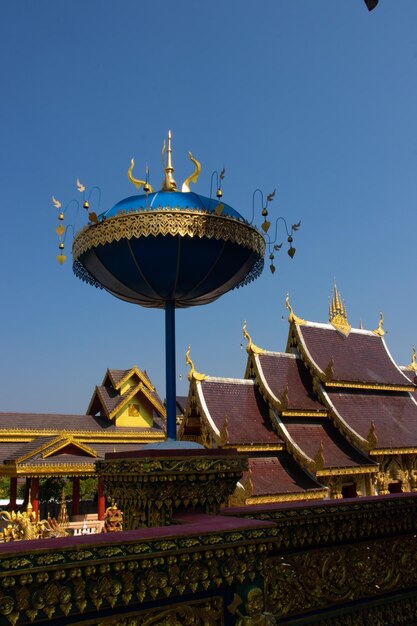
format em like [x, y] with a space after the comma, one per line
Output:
[337, 313]
[169, 183]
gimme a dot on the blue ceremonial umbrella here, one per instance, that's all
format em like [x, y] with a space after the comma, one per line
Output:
[169, 249]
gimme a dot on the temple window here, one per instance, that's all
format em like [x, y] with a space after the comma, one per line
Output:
[395, 487]
[349, 491]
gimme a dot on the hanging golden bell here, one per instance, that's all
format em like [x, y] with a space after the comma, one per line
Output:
[86, 204]
[61, 245]
[264, 212]
[61, 216]
[146, 188]
[219, 193]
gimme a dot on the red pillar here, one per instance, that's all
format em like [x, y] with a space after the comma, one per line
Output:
[13, 493]
[34, 495]
[101, 500]
[27, 490]
[75, 495]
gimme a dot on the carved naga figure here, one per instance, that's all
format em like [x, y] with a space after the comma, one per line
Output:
[22, 526]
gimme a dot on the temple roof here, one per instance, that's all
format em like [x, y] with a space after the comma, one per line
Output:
[288, 381]
[277, 475]
[361, 357]
[237, 406]
[323, 443]
[394, 416]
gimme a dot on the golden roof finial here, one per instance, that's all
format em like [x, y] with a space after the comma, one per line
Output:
[251, 347]
[413, 365]
[293, 318]
[338, 314]
[336, 298]
[169, 183]
[192, 374]
[380, 332]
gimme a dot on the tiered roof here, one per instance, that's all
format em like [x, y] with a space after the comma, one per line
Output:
[333, 403]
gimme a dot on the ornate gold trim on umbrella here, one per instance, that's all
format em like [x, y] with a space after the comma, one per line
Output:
[168, 222]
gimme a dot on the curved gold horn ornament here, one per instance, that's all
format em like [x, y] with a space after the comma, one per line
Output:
[138, 183]
[194, 176]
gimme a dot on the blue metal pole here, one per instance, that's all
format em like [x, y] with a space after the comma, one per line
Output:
[170, 375]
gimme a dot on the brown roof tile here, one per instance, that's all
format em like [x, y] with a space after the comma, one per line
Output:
[12, 450]
[279, 474]
[394, 416]
[247, 413]
[337, 452]
[27, 448]
[360, 357]
[281, 369]
[117, 375]
[110, 398]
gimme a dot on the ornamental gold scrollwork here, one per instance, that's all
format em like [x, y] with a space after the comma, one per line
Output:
[297, 583]
[176, 484]
[200, 613]
[168, 222]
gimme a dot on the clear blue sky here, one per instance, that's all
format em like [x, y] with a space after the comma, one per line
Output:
[315, 98]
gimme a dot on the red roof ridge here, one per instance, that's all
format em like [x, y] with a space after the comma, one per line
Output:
[326, 326]
[289, 355]
[220, 379]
